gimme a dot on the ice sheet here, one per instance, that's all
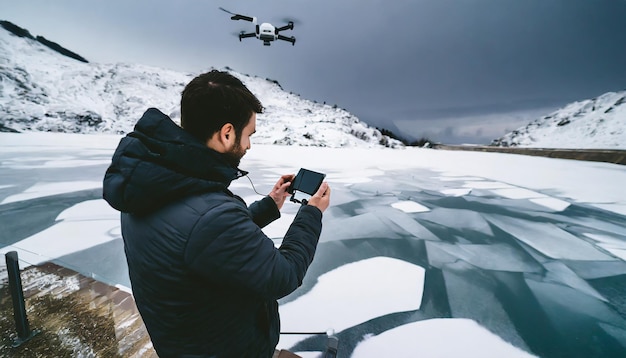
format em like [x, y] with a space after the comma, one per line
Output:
[558, 300]
[518, 193]
[278, 228]
[409, 206]
[548, 239]
[438, 338]
[459, 219]
[551, 203]
[89, 210]
[354, 177]
[407, 224]
[352, 294]
[614, 241]
[458, 178]
[472, 295]
[364, 226]
[47, 189]
[68, 237]
[597, 269]
[617, 207]
[456, 192]
[614, 245]
[498, 257]
[57, 163]
[80, 227]
[560, 273]
[485, 185]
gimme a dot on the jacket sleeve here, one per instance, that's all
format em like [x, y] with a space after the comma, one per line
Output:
[264, 211]
[227, 247]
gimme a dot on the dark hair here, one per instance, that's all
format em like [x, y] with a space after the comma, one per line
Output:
[213, 99]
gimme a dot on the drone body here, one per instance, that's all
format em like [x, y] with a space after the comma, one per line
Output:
[265, 32]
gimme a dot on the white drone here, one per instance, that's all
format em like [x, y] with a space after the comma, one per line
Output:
[265, 32]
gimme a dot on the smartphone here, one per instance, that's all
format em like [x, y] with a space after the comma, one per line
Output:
[305, 184]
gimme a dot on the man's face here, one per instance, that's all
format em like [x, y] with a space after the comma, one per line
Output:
[242, 144]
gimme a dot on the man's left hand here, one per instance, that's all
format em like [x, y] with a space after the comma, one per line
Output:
[279, 191]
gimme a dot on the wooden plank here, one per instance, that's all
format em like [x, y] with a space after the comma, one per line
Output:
[75, 315]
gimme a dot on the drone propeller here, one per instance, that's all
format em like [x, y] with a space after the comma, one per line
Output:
[237, 16]
[232, 13]
[292, 20]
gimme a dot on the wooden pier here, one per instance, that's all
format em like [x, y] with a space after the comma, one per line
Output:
[73, 316]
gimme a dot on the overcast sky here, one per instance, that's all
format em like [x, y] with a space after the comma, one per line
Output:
[455, 71]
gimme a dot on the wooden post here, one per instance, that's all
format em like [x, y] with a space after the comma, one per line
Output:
[24, 332]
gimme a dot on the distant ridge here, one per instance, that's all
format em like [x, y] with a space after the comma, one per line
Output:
[21, 32]
[597, 123]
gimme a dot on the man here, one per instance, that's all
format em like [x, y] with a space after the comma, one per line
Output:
[204, 276]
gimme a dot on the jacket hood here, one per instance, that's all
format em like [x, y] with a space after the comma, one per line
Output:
[159, 162]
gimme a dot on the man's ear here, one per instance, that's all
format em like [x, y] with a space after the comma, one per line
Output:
[224, 139]
[227, 134]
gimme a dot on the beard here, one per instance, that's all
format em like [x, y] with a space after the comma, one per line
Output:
[234, 155]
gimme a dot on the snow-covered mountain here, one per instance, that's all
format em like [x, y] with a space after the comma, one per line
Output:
[598, 123]
[44, 87]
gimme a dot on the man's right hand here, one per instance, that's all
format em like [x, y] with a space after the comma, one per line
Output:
[321, 199]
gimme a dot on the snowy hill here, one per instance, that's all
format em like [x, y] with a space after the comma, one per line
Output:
[598, 123]
[43, 88]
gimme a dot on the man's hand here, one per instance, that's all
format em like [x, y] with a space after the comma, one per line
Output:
[279, 191]
[321, 199]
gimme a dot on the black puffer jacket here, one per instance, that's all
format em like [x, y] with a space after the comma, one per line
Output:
[204, 276]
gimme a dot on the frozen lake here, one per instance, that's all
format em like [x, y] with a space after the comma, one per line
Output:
[423, 252]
